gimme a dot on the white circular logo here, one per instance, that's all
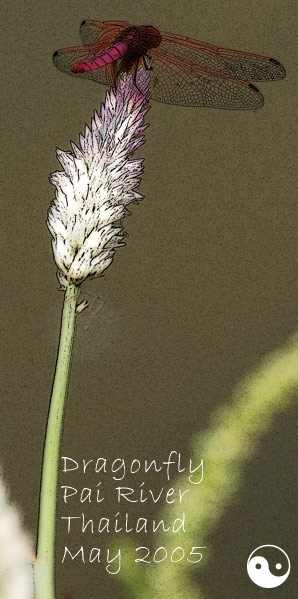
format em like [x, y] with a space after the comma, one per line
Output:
[268, 566]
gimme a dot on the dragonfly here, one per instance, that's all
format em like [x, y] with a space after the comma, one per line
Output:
[183, 71]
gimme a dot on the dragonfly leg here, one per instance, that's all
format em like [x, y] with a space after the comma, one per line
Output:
[135, 79]
[113, 72]
[146, 65]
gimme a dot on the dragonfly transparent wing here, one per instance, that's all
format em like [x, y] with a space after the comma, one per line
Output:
[98, 37]
[92, 31]
[238, 64]
[66, 58]
[177, 81]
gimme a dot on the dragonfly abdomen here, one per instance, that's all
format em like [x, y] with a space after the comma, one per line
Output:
[118, 50]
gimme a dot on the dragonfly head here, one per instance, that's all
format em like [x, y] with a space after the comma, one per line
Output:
[152, 35]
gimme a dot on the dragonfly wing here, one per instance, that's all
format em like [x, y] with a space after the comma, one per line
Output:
[66, 58]
[176, 81]
[235, 63]
[97, 36]
[92, 31]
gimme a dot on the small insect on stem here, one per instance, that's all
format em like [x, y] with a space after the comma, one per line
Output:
[82, 306]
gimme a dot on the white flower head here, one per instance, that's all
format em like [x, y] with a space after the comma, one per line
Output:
[98, 182]
[16, 552]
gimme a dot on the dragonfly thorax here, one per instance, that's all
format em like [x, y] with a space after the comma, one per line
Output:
[142, 38]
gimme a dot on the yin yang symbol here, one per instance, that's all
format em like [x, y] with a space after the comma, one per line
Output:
[268, 566]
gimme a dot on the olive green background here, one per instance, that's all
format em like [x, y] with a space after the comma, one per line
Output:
[206, 286]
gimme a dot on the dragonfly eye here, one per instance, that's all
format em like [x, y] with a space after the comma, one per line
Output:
[152, 35]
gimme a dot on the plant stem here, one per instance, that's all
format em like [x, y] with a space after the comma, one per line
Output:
[45, 565]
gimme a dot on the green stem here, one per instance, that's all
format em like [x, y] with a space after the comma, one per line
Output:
[45, 565]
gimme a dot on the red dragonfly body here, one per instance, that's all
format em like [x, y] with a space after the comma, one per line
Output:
[185, 71]
[102, 60]
[133, 43]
